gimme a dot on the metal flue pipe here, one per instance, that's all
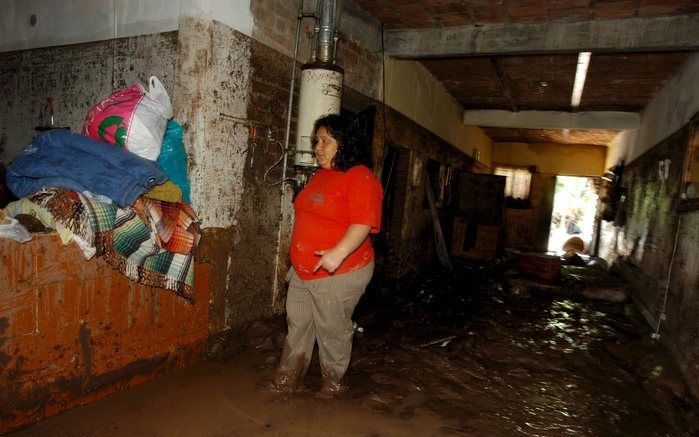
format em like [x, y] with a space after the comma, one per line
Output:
[326, 38]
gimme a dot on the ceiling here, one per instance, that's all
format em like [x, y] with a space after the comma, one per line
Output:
[402, 14]
[555, 136]
[615, 81]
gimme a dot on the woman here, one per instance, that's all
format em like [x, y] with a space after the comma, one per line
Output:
[331, 256]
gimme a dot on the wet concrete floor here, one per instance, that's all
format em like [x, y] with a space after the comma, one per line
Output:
[462, 353]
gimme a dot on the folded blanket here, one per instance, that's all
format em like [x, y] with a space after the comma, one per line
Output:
[175, 225]
[62, 159]
[122, 238]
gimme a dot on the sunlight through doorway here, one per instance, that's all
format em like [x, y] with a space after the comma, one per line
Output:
[574, 210]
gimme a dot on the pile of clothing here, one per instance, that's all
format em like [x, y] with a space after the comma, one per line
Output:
[111, 203]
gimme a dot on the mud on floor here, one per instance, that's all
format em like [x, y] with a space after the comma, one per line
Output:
[497, 354]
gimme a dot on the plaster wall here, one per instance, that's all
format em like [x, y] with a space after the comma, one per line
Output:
[212, 96]
[412, 90]
[572, 160]
[80, 21]
[76, 78]
[670, 109]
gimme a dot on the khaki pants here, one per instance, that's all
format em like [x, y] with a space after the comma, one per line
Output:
[320, 310]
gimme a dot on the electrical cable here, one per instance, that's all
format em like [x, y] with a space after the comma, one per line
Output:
[281, 158]
[290, 105]
[656, 334]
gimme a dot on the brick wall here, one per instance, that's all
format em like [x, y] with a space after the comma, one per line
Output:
[414, 244]
[360, 39]
[72, 331]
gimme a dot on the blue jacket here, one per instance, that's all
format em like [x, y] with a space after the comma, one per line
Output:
[62, 159]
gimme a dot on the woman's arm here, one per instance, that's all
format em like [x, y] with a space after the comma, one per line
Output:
[330, 259]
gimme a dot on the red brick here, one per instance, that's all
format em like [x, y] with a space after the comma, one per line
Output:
[495, 14]
[528, 13]
[19, 311]
[59, 348]
[23, 362]
[25, 393]
[58, 263]
[140, 306]
[571, 14]
[58, 306]
[137, 343]
[661, 7]
[615, 9]
[106, 349]
[16, 265]
[94, 299]
[119, 286]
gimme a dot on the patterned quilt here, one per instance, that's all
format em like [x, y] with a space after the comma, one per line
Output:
[124, 238]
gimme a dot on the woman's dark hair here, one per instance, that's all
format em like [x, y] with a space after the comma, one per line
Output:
[353, 146]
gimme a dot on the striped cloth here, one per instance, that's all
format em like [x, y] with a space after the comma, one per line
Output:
[175, 225]
[123, 238]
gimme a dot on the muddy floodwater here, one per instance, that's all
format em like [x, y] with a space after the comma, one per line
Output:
[467, 353]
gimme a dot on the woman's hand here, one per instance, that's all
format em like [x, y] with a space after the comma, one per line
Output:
[330, 260]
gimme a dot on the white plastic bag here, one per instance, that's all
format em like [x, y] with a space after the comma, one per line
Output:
[132, 118]
[10, 228]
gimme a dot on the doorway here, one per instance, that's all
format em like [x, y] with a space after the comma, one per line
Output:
[395, 176]
[574, 211]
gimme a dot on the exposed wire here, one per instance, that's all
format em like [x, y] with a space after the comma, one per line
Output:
[656, 334]
[281, 158]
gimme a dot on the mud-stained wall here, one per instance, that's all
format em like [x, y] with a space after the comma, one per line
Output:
[413, 244]
[76, 78]
[212, 97]
[252, 277]
[75, 330]
[72, 331]
[528, 229]
[641, 244]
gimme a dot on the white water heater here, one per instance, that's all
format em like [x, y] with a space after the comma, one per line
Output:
[320, 95]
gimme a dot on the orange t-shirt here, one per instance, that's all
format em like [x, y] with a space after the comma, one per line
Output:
[324, 210]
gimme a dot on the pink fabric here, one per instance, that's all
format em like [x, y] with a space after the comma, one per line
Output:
[110, 120]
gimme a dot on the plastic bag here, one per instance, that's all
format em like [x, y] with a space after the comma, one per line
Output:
[173, 158]
[132, 118]
[10, 228]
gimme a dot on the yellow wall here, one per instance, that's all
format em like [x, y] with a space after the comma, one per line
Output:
[574, 160]
[413, 91]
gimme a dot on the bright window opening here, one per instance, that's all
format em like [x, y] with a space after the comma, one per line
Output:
[517, 183]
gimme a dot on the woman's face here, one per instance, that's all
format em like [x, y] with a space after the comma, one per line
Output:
[325, 148]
